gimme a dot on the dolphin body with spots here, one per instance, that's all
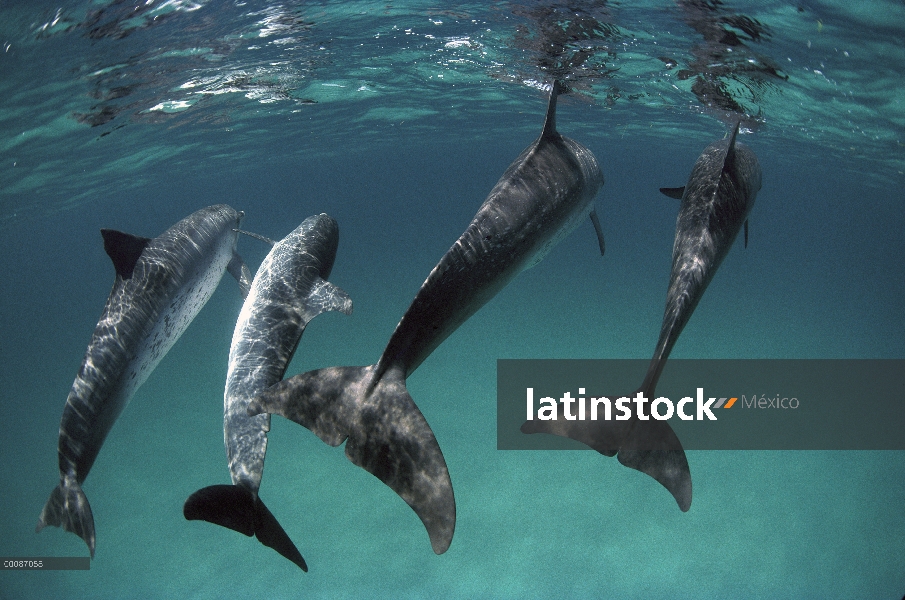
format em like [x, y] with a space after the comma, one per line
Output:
[715, 204]
[161, 284]
[540, 199]
[289, 289]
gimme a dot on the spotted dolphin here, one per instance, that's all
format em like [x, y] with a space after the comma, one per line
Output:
[540, 199]
[715, 203]
[289, 289]
[160, 286]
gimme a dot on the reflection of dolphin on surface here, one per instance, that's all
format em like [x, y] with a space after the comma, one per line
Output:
[715, 203]
[289, 289]
[160, 286]
[539, 200]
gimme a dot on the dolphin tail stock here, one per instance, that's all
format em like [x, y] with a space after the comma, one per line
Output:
[68, 508]
[385, 434]
[649, 446]
[236, 508]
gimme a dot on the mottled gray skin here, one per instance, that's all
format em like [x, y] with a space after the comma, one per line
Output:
[539, 200]
[715, 203]
[289, 290]
[149, 307]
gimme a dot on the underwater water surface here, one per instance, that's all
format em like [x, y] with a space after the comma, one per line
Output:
[397, 118]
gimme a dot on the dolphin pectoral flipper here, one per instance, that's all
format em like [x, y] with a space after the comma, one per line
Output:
[238, 269]
[598, 230]
[648, 446]
[257, 236]
[676, 193]
[234, 507]
[326, 297]
[68, 508]
[385, 434]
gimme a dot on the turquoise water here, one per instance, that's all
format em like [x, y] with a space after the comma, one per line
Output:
[397, 119]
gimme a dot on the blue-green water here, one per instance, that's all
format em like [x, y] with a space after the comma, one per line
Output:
[397, 118]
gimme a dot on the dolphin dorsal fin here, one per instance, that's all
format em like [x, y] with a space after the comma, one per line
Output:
[124, 249]
[730, 152]
[550, 122]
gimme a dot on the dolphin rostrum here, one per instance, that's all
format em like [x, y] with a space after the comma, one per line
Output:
[289, 289]
[538, 201]
[160, 286]
[715, 204]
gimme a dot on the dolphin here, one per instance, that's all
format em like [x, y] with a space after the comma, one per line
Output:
[540, 199]
[160, 286]
[715, 203]
[289, 289]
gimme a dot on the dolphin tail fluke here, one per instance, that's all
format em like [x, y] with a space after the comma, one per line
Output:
[236, 508]
[387, 435]
[68, 508]
[650, 446]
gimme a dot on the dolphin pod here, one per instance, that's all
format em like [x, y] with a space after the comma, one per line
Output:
[715, 203]
[289, 289]
[160, 286]
[540, 199]
[162, 283]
